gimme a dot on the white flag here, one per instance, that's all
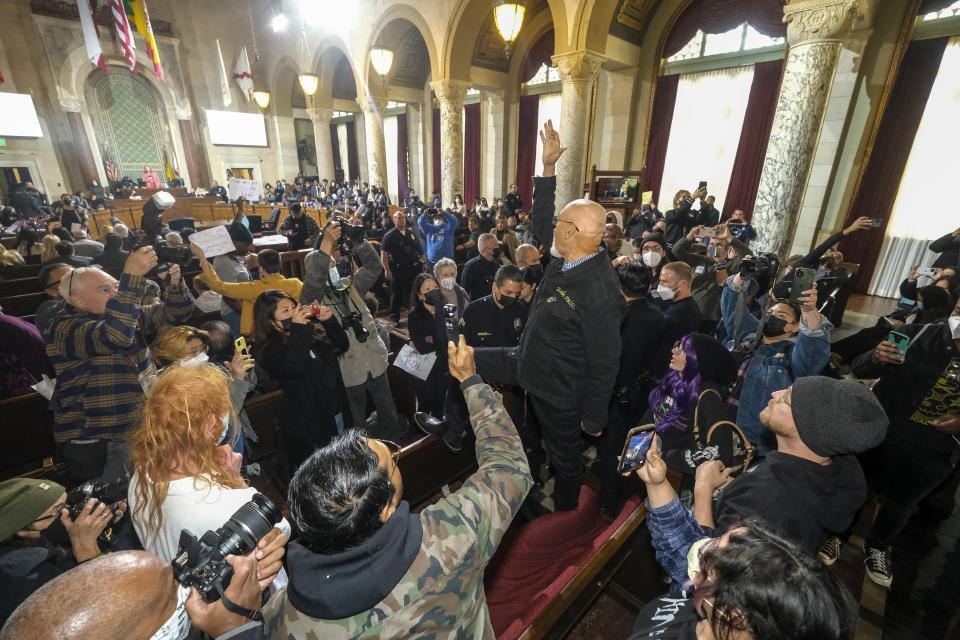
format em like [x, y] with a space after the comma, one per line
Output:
[224, 82]
[91, 36]
[241, 73]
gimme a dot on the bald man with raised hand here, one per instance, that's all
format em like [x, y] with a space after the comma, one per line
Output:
[570, 350]
[132, 595]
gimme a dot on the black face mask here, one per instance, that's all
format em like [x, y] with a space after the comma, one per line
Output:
[433, 298]
[56, 534]
[497, 252]
[507, 301]
[286, 324]
[774, 326]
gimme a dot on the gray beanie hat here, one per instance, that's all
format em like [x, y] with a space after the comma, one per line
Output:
[835, 417]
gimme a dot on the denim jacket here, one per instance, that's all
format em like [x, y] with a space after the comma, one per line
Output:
[769, 371]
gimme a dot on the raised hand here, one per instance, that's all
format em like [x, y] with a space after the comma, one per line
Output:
[461, 361]
[859, 224]
[552, 149]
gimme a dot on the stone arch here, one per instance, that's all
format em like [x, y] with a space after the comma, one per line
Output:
[456, 61]
[530, 36]
[324, 61]
[283, 76]
[412, 15]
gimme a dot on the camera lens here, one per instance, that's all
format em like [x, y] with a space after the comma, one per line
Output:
[240, 534]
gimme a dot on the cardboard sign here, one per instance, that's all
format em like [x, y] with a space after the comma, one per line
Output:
[415, 363]
[214, 241]
[249, 189]
[646, 197]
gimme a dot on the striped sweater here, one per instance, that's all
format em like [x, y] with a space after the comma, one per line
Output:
[98, 360]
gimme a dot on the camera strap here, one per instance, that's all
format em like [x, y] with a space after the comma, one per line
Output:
[233, 607]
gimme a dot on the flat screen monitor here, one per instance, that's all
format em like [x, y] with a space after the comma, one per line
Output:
[18, 117]
[236, 129]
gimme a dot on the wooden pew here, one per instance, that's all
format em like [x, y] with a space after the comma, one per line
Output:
[18, 287]
[291, 263]
[21, 271]
[22, 305]
[26, 438]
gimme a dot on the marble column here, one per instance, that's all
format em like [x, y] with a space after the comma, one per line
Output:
[320, 117]
[816, 30]
[373, 109]
[416, 148]
[578, 74]
[495, 136]
[82, 148]
[450, 94]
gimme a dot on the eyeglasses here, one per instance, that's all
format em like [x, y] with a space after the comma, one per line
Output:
[55, 514]
[53, 285]
[394, 448]
[570, 223]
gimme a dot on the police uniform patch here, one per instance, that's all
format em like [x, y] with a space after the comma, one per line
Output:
[517, 324]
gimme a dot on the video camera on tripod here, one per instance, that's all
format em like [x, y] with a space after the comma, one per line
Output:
[151, 223]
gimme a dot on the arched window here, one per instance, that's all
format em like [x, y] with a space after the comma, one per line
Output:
[950, 12]
[544, 75]
[743, 38]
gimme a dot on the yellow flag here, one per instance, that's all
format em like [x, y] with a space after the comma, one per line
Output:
[137, 14]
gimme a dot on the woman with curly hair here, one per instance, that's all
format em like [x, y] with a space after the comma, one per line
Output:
[188, 346]
[184, 475]
[690, 400]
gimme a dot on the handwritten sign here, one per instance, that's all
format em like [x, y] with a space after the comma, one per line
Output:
[415, 363]
[249, 189]
[646, 197]
[214, 241]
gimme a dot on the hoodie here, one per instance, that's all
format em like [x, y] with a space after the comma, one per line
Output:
[805, 499]
[419, 575]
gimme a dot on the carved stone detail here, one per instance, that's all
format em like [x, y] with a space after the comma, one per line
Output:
[821, 20]
[453, 91]
[102, 16]
[578, 66]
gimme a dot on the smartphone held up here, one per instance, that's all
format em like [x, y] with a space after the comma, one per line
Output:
[636, 447]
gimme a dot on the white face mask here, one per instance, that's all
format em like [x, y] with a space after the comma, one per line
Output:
[652, 259]
[197, 360]
[226, 426]
[177, 625]
[693, 556]
[447, 283]
[665, 292]
[334, 278]
[954, 323]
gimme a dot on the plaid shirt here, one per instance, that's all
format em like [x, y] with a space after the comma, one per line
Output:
[673, 530]
[98, 360]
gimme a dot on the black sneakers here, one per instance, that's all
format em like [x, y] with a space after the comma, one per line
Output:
[877, 564]
[830, 550]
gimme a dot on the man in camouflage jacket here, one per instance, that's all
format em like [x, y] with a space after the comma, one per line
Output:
[416, 575]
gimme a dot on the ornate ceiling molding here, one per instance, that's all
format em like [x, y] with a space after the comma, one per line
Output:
[821, 20]
[103, 17]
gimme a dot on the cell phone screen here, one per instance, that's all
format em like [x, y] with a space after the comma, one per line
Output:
[635, 451]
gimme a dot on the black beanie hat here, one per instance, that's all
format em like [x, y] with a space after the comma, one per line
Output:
[239, 233]
[714, 361]
[836, 417]
[659, 239]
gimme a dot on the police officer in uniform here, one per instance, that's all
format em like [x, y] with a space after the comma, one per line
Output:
[497, 320]
[403, 258]
[479, 272]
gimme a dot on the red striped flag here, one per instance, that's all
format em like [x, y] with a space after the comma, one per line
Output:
[124, 33]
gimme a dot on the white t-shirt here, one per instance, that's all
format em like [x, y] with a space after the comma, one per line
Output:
[192, 504]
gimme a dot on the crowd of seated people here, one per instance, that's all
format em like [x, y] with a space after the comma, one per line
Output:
[549, 329]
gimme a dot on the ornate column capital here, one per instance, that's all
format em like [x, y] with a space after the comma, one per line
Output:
[372, 104]
[319, 115]
[451, 91]
[821, 20]
[578, 66]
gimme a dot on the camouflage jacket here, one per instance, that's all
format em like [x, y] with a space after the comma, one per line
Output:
[441, 595]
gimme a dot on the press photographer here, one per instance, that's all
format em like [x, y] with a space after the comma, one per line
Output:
[98, 348]
[364, 364]
[43, 534]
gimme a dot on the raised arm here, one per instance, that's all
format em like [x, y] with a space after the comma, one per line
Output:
[545, 187]
[946, 242]
[370, 268]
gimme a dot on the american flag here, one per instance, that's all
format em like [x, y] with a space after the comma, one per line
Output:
[109, 166]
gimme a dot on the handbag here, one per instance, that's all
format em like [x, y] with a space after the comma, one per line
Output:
[707, 443]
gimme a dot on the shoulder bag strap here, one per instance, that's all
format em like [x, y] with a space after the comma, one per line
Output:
[751, 450]
[696, 414]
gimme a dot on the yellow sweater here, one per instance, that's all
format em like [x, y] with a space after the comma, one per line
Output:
[248, 292]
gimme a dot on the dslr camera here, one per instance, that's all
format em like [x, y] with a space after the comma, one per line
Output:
[354, 321]
[109, 493]
[351, 234]
[203, 563]
[755, 268]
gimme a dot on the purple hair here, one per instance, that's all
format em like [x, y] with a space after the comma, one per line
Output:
[682, 386]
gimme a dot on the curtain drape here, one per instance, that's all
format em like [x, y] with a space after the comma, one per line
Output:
[719, 16]
[539, 55]
[390, 139]
[403, 166]
[707, 121]
[436, 151]
[471, 153]
[335, 144]
[909, 234]
[885, 168]
[757, 121]
[343, 151]
[661, 119]
[527, 147]
[353, 155]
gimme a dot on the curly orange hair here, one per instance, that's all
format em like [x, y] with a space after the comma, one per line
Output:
[173, 435]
